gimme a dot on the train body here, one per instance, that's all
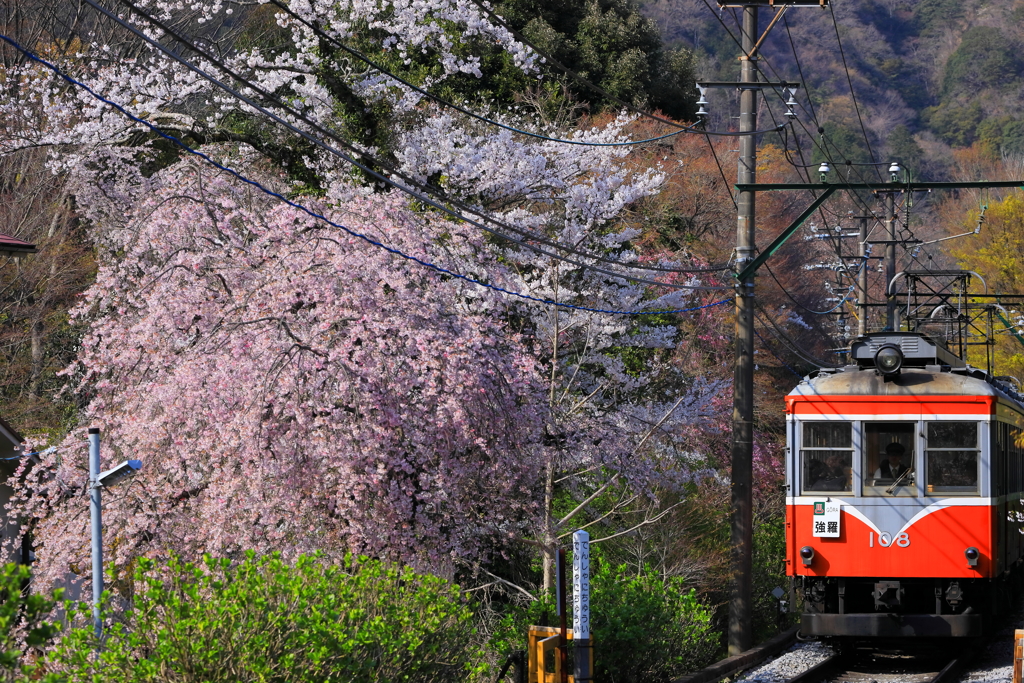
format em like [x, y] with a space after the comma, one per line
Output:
[904, 510]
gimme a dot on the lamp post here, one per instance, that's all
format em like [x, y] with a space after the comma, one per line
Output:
[98, 480]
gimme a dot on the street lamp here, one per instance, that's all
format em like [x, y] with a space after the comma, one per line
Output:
[97, 481]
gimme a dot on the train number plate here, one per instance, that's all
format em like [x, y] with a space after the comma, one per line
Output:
[826, 519]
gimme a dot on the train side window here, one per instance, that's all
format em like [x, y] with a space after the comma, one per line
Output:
[826, 454]
[889, 459]
[952, 457]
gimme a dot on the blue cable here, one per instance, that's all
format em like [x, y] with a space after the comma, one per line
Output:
[313, 214]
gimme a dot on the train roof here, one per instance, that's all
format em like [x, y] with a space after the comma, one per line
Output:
[929, 370]
[853, 380]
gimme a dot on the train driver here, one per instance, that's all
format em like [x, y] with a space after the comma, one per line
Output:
[893, 468]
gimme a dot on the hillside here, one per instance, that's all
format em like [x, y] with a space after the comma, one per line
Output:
[928, 76]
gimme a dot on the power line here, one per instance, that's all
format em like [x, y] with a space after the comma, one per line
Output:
[447, 103]
[853, 95]
[776, 356]
[254, 183]
[532, 236]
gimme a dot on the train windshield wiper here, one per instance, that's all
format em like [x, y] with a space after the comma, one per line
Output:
[891, 490]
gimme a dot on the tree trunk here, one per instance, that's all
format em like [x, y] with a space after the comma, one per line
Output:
[37, 357]
[550, 539]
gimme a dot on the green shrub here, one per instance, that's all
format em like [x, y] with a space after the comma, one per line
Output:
[769, 572]
[21, 619]
[646, 628]
[263, 619]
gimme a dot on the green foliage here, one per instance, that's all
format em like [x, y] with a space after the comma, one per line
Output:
[608, 42]
[650, 628]
[646, 627]
[769, 573]
[985, 58]
[904, 148]
[932, 15]
[1002, 135]
[263, 619]
[956, 124]
[843, 143]
[21, 614]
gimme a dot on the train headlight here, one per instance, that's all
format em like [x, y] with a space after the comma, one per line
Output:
[807, 555]
[889, 360]
[972, 556]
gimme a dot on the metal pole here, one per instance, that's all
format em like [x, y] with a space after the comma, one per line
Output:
[890, 260]
[97, 529]
[862, 279]
[740, 610]
[583, 647]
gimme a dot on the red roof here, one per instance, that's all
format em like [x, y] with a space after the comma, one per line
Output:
[11, 246]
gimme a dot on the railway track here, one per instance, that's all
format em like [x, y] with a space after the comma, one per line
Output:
[890, 667]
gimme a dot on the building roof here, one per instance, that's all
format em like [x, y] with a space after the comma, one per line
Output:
[11, 246]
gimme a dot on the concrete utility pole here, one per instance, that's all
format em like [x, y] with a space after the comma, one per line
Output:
[740, 605]
[862, 278]
[890, 260]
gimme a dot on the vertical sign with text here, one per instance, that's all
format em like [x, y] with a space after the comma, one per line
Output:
[580, 585]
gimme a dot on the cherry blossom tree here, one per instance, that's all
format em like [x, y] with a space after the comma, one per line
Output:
[291, 387]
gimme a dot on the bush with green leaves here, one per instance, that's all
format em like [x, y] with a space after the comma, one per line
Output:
[21, 620]
[264, 619]
[646, 628]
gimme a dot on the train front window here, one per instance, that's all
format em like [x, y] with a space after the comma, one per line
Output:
[889, 459]
[826, 455]
[952, 458]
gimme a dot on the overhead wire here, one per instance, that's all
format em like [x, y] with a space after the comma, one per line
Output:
[313, 214]
[389, 181]
[849, 80]
[835, 245]
[779, 334]
[451, 105]
[776, 356]
[682, 128]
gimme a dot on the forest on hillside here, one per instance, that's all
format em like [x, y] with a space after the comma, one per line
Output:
[398, 295]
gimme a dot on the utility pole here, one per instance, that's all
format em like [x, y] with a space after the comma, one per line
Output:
[862, 278]
[890, 260]
[740, 603]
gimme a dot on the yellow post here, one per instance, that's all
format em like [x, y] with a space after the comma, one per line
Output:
[1018, 656]
[544, 664]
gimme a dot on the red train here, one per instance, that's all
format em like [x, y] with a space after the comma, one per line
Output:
[905, 474]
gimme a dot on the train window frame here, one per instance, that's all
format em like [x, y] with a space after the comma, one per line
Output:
[870, 487]
[850, 475]
[948, 490]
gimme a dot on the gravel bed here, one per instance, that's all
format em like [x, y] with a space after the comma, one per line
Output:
[993, 665]
[796, 659]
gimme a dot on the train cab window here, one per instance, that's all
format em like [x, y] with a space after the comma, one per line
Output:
[826, 455]
[889, 459]
[952, 458]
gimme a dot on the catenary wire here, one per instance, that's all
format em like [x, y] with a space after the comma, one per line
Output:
[525, 233]
[391, 250]
[835, 245]
[779, 334]
[849, 80]
[776, 356]
[529, 235]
